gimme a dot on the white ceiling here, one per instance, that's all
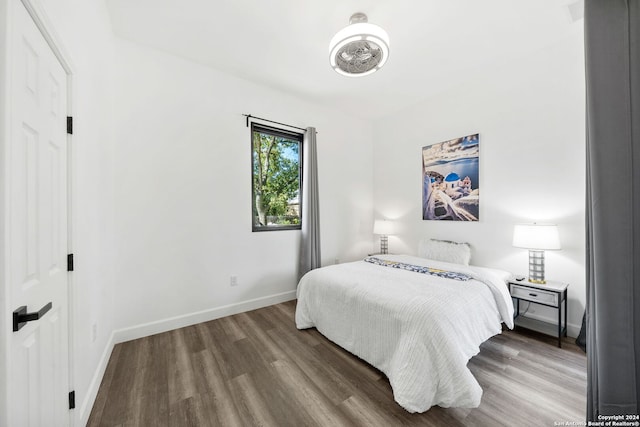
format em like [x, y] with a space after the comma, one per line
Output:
[435, 44]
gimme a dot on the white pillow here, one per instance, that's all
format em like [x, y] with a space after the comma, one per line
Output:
[445, 250]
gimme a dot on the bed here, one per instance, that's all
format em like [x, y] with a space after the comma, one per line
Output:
[417, 320]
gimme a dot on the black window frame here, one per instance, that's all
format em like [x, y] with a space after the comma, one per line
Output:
[292, 136]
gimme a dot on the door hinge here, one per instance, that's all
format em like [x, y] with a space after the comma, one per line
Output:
[70, 125]
[72, 399]
[70, 262]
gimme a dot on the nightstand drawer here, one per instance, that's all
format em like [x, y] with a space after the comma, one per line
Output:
[535, 295]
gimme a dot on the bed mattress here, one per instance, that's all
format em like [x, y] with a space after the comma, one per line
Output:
[419, 329]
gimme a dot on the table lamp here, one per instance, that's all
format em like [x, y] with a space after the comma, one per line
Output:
[537, 238]
[383, 228]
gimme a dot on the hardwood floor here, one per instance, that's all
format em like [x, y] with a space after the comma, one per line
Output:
[256, 368]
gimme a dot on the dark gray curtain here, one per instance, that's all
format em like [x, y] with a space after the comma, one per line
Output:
[612, 52]
[310, 238]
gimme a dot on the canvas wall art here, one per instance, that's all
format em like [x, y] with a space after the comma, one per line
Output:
[450, 184]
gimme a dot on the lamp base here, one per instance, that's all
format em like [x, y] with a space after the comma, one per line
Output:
[536, 267]
[384, 244]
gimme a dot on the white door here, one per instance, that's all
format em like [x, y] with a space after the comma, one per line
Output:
[37, 233]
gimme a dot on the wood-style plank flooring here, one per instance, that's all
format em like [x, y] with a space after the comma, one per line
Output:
[256, 368]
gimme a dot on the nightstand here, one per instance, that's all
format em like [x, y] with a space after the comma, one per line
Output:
[551, 294]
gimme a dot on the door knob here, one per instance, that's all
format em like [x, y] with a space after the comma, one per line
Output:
[21, 317]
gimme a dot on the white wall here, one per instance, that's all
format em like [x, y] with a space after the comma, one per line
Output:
[84, 28]
[183, 191]
[4, 136]
[531, 120]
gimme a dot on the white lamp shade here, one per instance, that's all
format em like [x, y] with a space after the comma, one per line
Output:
[536, 236]
[381, 226]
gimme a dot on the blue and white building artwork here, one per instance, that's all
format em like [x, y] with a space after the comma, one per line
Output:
[450, 180]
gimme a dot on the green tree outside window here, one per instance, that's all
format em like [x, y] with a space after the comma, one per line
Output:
[276, 170]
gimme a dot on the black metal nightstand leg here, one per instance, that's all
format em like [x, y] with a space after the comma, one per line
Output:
[566, 325]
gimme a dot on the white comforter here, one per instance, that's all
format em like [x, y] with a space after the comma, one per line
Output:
[419, 329]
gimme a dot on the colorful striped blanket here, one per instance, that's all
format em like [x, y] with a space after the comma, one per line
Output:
[418, 269]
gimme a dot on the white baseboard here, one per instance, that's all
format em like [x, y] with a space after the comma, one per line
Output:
[159, 326]
[151, 328]
[94, 386]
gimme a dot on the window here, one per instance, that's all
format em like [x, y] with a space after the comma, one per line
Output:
[276, 165]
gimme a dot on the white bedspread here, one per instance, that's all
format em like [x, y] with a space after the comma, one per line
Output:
[419, 329]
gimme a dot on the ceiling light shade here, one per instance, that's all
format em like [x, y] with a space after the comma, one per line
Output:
[359, 49]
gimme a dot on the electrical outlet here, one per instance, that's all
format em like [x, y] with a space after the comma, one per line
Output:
[94, 332]
[336, 260]
[234, 280]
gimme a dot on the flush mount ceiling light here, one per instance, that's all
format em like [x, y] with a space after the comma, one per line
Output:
[359, 49]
